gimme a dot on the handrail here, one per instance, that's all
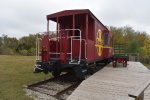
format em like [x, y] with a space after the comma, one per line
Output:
[57, 38]
[37, 48]
[70, 52]
[62, 37]
[66, 30]
[84, 46]
[71, 37]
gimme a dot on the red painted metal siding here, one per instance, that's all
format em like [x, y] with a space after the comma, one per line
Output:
[45, 48]
[89, 26]
[90, 51]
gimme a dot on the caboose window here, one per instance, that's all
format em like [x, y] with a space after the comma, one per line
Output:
[77, 34]
[106, 39]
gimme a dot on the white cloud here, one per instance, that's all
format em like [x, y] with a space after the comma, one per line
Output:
[21, 17]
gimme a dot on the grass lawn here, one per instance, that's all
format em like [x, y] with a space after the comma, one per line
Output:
[148, 66]
[16, 71]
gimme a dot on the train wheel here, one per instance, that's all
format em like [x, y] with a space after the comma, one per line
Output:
[106, 61]
[125, 63]
[114, 63]
[78, 72]
[96, 68]
[45, 68]
[91, 71]
[93, 68]
[56, 73]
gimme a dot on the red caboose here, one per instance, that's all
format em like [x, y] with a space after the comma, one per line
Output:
[81, 42]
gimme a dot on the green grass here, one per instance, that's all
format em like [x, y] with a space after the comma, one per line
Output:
[16, 71]
[148, 66]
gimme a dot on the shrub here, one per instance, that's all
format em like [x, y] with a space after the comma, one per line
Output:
[31, 52]
[6, 51]
[24, 52]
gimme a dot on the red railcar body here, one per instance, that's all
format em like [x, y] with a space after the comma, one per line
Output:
[81, 41]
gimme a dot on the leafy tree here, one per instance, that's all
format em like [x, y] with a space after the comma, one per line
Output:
[27, 42]
[132, 47]
[147, 48]
[136, 42]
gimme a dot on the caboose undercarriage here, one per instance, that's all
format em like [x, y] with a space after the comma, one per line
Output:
[79, 70]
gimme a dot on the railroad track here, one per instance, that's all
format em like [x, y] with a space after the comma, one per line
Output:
[59, 88]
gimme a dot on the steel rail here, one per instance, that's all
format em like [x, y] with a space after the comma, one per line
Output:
[42, 86]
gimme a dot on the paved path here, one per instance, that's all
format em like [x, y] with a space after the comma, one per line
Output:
[113, 83]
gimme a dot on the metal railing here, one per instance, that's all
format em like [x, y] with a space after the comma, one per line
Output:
[72, 38]
[38, 48]
[66, 31]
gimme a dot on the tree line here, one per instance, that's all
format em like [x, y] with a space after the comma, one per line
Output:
[13, 46]
[136, 42]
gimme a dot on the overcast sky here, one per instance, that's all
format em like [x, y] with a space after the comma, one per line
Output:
[22, 17]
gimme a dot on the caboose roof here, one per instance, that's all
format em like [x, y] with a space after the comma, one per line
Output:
[72, 12]
[68, 12]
